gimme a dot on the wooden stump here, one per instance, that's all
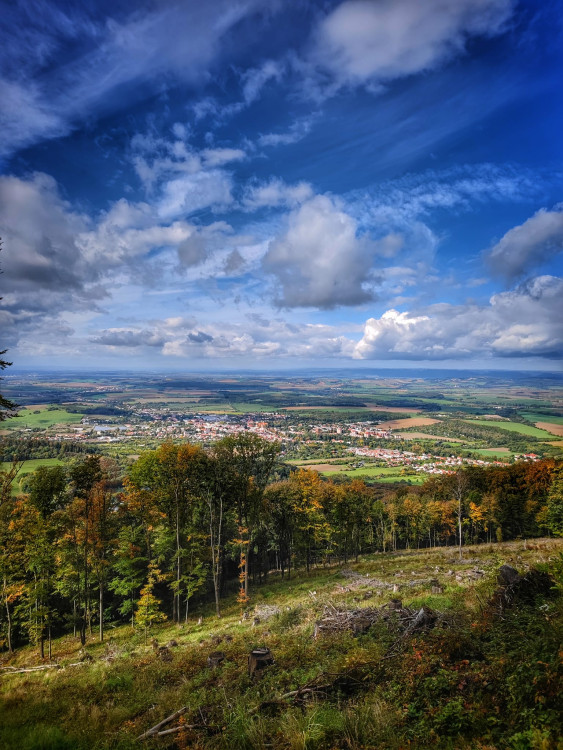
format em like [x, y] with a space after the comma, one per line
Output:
[215, 658]
[259, 659]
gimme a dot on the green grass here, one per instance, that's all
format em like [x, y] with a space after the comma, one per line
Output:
[44, 418]
[523, 429]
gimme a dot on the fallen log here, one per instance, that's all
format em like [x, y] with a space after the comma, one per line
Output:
[15, 670]
[179, 728]
[157, 727]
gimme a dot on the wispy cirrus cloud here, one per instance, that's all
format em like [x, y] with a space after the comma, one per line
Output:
[110, 61]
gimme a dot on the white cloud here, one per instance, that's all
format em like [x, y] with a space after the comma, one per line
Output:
[320, 261]
[363, 42]
[217, 157]
[189, 193]
[296, 132]
[276, 193]
[522, 322]
[255, 79]
[528, 245]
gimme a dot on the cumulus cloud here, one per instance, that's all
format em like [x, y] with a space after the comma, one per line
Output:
[59, 260]
[127, 232]
[519, 323]
[216, 242]
[321, 260]
[373, 42]
[528, 245]
[40, 230]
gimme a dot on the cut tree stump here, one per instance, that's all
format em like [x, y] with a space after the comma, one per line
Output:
[259, 659]
[215, 658]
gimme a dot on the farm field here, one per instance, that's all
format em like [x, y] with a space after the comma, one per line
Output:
[315, 417]
[547, 418]
[523, 429]
[428, 436]
[44, 419]
[554, 429]
[381, 473]
[402, 424]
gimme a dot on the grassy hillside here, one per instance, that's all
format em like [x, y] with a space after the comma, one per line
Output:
[480, 680]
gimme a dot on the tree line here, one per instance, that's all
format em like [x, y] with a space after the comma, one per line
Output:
[86, 546]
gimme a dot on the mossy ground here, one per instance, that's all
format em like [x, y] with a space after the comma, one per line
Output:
[488, 682]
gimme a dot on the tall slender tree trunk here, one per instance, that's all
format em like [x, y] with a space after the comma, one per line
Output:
[215, 543]
[8, 617]
[101, 610]
[246, 565]
[178, 563]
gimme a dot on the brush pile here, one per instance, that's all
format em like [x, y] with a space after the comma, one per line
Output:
[515, 589]
[265, 612]
[402, 620]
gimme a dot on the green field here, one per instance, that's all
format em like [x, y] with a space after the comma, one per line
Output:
[542, 418]
[491, 452]
[381, 473]
[29, 467]
[523, 429]
[44, 418]
[315, 461]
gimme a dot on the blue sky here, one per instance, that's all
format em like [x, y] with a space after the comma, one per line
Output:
[265, 183]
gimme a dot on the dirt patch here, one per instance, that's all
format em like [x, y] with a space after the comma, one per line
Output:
[403, 424]
[555, 429]
[326, 467]
[392, 409]
[422, 435]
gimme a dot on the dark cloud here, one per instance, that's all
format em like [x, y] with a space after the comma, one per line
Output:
[528, 245]
[200, 338]
[128, 338]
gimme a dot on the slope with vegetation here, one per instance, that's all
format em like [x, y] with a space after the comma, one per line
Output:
[90, 556]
